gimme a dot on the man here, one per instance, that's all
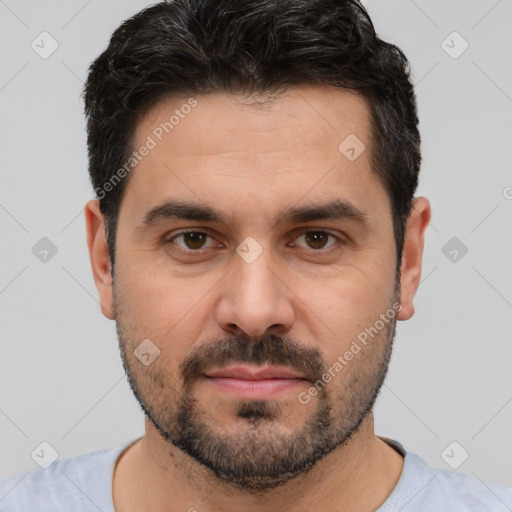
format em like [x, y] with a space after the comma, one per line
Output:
[255, 237]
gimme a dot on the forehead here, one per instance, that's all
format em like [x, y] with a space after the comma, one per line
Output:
[314, 116]
[221, 149]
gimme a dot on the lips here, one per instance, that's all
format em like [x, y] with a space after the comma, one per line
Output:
[254, 373]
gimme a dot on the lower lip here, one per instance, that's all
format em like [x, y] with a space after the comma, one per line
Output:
[265, 388]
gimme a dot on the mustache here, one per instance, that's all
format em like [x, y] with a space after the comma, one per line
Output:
[268, 349]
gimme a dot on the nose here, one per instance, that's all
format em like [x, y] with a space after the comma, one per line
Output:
[255, 298]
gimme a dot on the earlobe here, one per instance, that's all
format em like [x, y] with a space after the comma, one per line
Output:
[412, 255]
[99, 256]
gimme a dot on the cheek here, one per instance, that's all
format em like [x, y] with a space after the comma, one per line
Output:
[169, 311]
[345, 303]
[351, 291]
[144, 309]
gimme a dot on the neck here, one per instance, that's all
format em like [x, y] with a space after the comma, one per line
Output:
[357, 476]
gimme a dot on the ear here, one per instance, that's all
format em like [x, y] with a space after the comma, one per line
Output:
[100, 257]
[412, 255]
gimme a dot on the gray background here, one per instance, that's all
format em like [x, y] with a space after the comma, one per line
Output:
[450, 379]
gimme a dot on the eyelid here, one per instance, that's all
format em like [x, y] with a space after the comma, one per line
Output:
[170, 239]
[339, 238]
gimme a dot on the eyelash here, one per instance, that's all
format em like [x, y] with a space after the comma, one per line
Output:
[336, 247]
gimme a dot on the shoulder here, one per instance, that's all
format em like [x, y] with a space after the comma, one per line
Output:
[423, 488]
[79, 483]
[461, 490]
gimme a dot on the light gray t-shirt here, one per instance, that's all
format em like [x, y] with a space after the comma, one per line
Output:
[84, 484]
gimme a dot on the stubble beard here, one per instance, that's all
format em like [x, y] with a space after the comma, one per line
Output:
[257, 454]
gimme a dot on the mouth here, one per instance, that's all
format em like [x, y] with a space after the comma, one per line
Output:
[244, 372]
[255, 381]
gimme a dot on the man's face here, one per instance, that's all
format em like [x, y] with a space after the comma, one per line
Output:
[256, 288]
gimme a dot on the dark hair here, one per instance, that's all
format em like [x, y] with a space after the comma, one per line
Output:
[251, 47]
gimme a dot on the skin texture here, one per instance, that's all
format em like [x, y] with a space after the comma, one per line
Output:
[297, 304]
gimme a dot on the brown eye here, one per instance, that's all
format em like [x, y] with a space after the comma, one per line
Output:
[317, 240]
[192, 240]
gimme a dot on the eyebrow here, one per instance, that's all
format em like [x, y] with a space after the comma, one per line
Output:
[175, 209]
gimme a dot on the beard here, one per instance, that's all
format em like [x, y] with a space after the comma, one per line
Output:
[253, 452]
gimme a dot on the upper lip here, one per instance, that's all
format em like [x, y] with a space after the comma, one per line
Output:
[254, 373]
